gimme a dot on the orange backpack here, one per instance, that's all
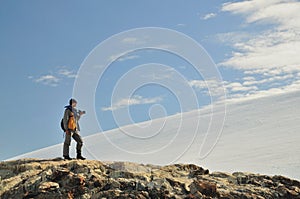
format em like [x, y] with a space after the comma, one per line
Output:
[72, 122]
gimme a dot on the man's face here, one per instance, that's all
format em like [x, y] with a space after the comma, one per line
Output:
[74, 104]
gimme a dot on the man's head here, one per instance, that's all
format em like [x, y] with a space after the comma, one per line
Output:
[73, 102]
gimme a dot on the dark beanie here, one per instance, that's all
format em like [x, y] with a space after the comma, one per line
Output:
[71, 101]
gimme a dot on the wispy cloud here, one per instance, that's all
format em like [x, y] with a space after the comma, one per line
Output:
[238, 87]
[135, 100]
[129, 57]
[166, 46]
[54, 78]
[161, 74]
[49, 80]
[66, 73]
[249, 88]
[130, 40]
[295, 86]
[285, 13]
[210, 87]
[268, 80]
[122, 58]
[231, 38]
[264, 83]
[274, 48]
[267, 56]
[208, 16]
[240, 91]
[181, 25]
[133, 40]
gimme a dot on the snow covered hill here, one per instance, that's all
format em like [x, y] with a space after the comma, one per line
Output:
[259, 135]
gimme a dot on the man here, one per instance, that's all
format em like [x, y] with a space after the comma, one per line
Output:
[70, 122]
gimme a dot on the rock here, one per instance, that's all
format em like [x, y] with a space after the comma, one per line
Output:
[78, 180]
[48, 186]
[205, 188]
[59, 173]
[56, 178]
[286, 181]
[129, 167]
[242, 178]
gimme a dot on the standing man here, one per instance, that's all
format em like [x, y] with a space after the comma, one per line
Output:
[70, 122]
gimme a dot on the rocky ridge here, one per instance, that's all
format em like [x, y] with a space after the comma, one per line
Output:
[56, 178]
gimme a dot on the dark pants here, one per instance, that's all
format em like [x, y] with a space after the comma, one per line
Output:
[75, 135]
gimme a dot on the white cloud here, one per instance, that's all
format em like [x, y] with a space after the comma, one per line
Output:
[237, 91]
[264, 71]
[161, 74]
[265, 83]
[209, 16]
[67, 73]
[275, 48]
[268, 80]
[238, 87]
[232, 38]
[283, 12]
[121, 57]
[295, 86]
[54, 78]
[210, 87]
[181, 25]
[130, 40]
[129, 57]
[199, 84]
[166, 47]
[274, 83]
[246, 7]
[135, 100]
[269, 57]
[270, 50]
[249, 78]
[47, 80]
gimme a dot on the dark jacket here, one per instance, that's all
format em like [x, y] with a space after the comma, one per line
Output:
[67, 114]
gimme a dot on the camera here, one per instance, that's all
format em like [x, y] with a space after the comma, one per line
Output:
[81, 112]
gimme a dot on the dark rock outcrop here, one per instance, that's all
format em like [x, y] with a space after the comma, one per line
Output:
[56, 178]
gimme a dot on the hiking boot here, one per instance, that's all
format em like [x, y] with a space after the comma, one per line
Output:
[68, 158]
[79, 156]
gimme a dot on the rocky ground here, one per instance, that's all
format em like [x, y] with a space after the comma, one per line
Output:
[56, 178]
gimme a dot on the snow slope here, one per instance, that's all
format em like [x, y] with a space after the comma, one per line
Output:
[259, 135]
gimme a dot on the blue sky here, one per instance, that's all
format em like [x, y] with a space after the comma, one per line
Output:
[255, 45]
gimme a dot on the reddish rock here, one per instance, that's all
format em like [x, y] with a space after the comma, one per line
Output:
[205, 188]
